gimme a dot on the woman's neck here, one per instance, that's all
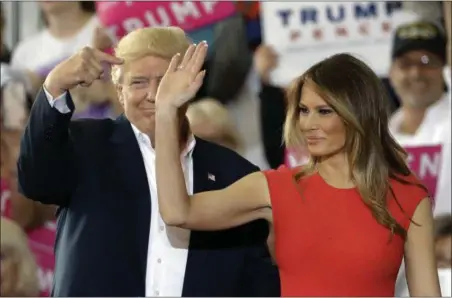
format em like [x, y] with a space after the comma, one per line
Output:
[66, 24]
[335, 170]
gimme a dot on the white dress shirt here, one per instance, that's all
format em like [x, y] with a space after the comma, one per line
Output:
[435, 129]
[168, 246]
[444, 191]
[432, 129]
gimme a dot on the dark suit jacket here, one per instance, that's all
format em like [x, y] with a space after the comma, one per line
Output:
[93, 170]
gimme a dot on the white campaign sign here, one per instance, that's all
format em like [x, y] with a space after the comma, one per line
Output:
[304, 33]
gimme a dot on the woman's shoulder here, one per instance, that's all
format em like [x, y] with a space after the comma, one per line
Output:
[408, 183]
[284, 177]
[408, 191]
[280, 172]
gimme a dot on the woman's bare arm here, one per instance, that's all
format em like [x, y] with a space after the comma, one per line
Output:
[242, 202]
[420, 259]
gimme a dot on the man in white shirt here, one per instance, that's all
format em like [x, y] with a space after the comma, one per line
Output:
[444, 186]
[419, 57]
[424, 118]
[101, 173]
[417, 74]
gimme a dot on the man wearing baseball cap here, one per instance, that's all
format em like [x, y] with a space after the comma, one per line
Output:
[419, 58]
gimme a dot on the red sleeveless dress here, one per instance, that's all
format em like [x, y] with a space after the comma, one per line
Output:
[327, 243]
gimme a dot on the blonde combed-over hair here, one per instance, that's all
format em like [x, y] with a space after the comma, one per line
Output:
[14, 238]
[163, 42]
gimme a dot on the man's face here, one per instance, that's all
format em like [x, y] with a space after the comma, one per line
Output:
[417, 77]
[55, 7]
[138, 89]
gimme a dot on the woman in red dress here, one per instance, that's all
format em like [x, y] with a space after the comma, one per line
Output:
[341, 224]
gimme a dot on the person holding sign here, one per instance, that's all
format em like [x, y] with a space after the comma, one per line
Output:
[340, 224]
[101, 173]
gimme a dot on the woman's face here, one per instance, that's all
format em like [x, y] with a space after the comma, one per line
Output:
[322, 128]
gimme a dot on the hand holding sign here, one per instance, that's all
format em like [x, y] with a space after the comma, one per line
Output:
[82, 68]
[181, 81]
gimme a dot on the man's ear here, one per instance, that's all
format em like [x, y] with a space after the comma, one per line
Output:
[119, 88]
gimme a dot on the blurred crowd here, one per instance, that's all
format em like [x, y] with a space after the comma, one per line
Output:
[238, 107]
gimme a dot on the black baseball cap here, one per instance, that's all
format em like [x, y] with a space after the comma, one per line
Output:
[420, 35]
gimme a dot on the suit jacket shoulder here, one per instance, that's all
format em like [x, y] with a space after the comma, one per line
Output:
[220, 155]
[92, 130]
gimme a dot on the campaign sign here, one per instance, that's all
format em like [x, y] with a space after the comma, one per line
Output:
[122, 17]
[425, 162]
[304, 33]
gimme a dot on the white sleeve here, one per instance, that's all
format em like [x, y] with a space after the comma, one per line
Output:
[59, 103]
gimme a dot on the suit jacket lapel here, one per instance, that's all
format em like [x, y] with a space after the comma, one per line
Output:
[125, 166]
[203, 173]
[196, 254]
[126, 158]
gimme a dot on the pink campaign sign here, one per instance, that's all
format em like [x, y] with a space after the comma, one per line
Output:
[121, 17]
[41, 242]
[425, 161]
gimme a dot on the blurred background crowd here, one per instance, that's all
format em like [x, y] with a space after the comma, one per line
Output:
[256, 48]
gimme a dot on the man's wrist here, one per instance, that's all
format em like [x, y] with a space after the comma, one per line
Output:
[55, 92]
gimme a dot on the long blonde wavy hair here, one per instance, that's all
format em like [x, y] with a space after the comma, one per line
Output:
[355, 92]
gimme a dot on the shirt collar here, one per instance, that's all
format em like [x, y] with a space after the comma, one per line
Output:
[144, 138]
[441, 106]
